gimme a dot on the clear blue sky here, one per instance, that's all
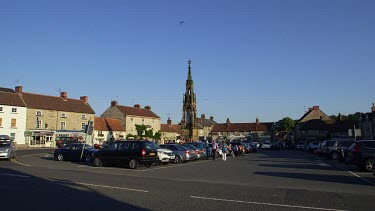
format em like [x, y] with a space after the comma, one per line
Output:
[266, 59]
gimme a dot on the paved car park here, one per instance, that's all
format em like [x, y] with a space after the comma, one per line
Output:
[266, 180]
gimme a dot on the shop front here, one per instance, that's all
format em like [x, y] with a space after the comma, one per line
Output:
[39, 138]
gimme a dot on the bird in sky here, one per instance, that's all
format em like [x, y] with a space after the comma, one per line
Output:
[181, 22]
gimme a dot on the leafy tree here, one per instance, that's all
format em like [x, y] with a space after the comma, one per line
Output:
[149, 134]
[140, 129]
[157, 135]
[285, 124]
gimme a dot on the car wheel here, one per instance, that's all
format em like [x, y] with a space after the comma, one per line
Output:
[368, 165]
[98, 162]
[88, 158]
[334, 156]
[60, 157]
[133, 164]
[177, 159]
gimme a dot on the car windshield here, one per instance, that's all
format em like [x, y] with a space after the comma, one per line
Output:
[4, 144]
[150, 145]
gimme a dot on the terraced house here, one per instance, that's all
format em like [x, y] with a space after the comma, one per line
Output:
[131, 116]
[12, 115]
[50, 118]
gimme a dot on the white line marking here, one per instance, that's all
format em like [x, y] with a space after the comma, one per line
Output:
[268, 204]
[361, 178]
[104, 186]
[16, 175]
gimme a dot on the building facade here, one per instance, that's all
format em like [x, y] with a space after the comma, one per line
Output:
[12, 115]
[367, 124]
[129, 117]
[107, 129]
[50, 119]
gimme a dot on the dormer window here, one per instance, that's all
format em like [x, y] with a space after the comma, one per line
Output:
[38, 113]
[14, 110]
[63, 115]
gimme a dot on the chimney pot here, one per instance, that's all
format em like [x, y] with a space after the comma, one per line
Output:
[148, 108]
[169, 121]
[228, 121]
[137, 106]
[211, 118]
[257, 120]
[85, 99]
[315, 107]
[19, 89]
[203, 116]
[64, 95]
[113, 103]
[373, 108]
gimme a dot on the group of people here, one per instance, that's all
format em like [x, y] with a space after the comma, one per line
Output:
[223, 149]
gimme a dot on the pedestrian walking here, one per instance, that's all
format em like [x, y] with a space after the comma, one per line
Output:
[214, 149]
[224, 150]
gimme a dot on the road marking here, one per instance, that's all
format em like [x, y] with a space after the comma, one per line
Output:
[361, 177]
[267, 204]
[15, 175]
[13, 160]
[102, 186]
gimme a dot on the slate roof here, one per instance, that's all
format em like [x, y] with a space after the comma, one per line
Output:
[137, 111]
[37, 101]
[107, 124]
[232, 127]
[10, 97]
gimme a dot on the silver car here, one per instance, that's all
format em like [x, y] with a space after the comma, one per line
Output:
[182, 153]
[7, 148]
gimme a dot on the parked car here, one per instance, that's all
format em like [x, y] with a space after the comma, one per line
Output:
[72, 152]
[129, 153]
[7, 148]
[275, 146]
[199, 153]
[266, 145]
[331, 147]
[202, 148]
[181, 152]
[319, 150]
[256, 144]
[165, 155]
[362, 154]
[301, 145]
[248, 148]
[312, 146]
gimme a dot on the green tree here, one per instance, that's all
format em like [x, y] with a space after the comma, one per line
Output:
[149, 134]
[157, 135]
[285, 124]
[140, 129]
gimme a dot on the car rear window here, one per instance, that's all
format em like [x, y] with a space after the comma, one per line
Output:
[150, 145]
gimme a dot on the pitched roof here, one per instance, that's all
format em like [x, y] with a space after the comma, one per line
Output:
[205, 122]
[107, 124]
[262, 126]
[167, 129]
[177, 128]
[330, 125]
[46, 102]
[137, 111]
[10, 97]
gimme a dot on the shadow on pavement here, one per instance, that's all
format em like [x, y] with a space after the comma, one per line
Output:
[318, 177]
[296, 166]
[21, 191]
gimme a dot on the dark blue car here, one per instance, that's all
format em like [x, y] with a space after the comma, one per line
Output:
[72, 152]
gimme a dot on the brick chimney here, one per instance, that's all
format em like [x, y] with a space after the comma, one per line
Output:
[212, 118]
[373, 108]
[169, 122]
[137, 106]
[18, 89]
[315, 107]
[228, 121]
[113, 103]
[148, 108]
[203, 116]
[257, 120]
[64, 95]
[85, 99]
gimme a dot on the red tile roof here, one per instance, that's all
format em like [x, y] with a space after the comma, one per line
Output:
[232, 127]
[167, 129]
[107, 124]
[10, 97]
[137, 111]
[177, 128]
[37, 101]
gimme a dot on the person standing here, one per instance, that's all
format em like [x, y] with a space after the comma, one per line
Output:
[214, 149]
[224, 150]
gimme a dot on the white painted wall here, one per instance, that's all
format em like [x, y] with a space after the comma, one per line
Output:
[7, 115]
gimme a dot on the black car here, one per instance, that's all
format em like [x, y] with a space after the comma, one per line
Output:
[72, 152]
[127, 153]
[362, 154]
